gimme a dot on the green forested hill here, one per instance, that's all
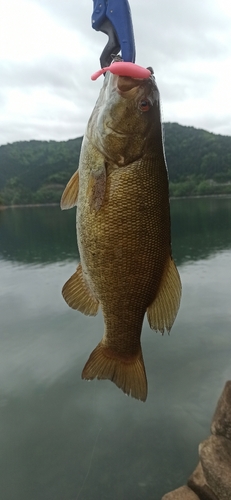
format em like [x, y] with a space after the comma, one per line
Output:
[36, 171]
[199, 162]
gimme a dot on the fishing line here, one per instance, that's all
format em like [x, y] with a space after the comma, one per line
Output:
[89, 467]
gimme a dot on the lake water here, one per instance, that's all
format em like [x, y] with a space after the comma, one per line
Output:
[62, 438]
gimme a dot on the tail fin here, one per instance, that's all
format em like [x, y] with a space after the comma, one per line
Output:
[128, 374]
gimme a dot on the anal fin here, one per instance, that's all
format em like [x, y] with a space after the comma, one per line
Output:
[127, 373]
[77, 294]
[70, 194]
[163, 310]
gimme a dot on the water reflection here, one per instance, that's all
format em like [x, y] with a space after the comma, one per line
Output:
[44, 235]
[63, 438]
[37, 235]
[200, 227]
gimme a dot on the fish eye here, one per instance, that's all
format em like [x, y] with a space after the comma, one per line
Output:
[144, 105]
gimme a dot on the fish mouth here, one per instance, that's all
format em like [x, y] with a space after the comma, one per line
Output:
[127, 84]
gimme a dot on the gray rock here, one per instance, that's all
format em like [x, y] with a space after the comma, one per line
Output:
[198, 484]
[221, 423]
[183, 493]
[215, 456]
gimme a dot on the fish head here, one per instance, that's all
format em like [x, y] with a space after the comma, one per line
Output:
[126, 119]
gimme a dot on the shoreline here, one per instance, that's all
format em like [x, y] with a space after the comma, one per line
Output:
[30, 205]
[34, 205]
[200, 196]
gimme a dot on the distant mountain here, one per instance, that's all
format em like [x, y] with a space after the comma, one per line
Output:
[199, 162]
[36, 171]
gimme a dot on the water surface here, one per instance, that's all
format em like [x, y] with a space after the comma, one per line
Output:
[62, 438]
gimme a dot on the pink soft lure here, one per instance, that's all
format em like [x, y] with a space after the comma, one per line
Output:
[124, 69]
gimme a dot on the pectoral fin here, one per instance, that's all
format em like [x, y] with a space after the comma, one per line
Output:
[97, 186]
[77, 294]
[70, 193]
[163, 310]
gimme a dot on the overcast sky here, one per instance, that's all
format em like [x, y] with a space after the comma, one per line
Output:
[48, 52]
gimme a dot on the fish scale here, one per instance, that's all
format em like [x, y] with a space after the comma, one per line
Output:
[123, 232]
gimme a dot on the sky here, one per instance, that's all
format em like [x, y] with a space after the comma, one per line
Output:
[48, 52]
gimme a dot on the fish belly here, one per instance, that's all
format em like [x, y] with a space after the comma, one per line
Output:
[124, 246]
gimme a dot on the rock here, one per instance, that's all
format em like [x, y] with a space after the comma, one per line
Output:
[211, 480]
[183, 493]
[221, 423]
[215, 456]
[198, 484]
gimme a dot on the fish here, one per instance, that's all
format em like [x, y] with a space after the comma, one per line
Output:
[123, 225]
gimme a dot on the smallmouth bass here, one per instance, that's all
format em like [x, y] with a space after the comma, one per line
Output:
[123, 230]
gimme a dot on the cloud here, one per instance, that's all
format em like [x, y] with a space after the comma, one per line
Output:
[48, 50]
[49, 98]
[38, 130]
[179, 31]
[47, 72]
[75, 15]
[28, 32]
